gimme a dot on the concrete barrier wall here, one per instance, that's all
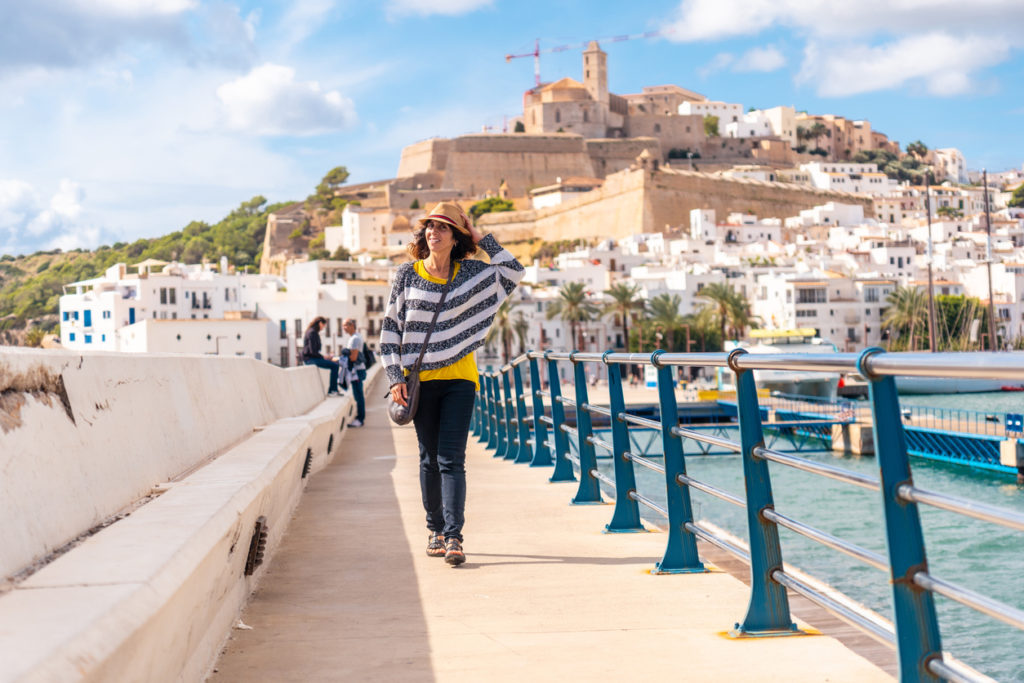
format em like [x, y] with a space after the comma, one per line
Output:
[154, 596]
[82, 436]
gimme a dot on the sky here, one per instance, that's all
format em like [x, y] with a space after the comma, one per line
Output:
[122, 119]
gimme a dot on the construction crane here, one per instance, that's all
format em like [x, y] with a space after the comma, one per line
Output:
[537, 51]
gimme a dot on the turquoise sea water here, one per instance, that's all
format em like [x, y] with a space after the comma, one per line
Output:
[982, 557]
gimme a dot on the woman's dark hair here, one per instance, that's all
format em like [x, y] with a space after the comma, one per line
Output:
[462, 248]
[316, 321]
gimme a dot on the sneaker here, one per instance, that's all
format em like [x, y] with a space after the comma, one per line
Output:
[333, 393]
[453, 554]
[435, 544]
[355, 423]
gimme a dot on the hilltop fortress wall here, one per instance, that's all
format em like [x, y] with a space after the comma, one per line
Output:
[641, 200]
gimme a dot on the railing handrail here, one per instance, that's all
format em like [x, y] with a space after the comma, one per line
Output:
[915, 635]
[875, 363]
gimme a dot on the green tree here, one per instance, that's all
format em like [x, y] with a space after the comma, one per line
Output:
[574, 307]
[334, 179]
[490, 205]
[711, 126]
[949, 212]
[720, 299]
[918, 149]
[341, 254]
[34, 336]
[1017, 198]
[519, 128]
[625, 303]
[415, 204]
[905, 315]
[665, 318]
[506, 328]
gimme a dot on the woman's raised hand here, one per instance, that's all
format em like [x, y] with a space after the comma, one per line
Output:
[474, 232]
[400, 394]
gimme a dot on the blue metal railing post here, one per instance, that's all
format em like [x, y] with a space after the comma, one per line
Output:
[499, 413]
[626, 517]
[492, 410]
[541, 452]
[474, 423]
[563, 468]
[483, 433]
[589, 491]
[768, 611]
[681, 549]
[917, 628]
[525, 453]
[508, 404]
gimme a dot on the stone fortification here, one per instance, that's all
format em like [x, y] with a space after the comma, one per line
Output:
[611, 155]
[478, 163]
[424, 156]
[640, 200]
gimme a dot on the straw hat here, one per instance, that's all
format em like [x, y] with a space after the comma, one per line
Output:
[447, 212]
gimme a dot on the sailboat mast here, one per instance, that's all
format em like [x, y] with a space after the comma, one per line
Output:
[931, 290]
[988, 259]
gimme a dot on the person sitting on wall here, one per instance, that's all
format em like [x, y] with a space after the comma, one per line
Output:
[311, 352]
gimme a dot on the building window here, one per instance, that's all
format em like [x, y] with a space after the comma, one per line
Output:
[586, 116]
[71, 336]
[103, 337]
[172, 295]
[284, 328]
[74, 315]
[298, 328]
[327, 328]
[284, 356]
[65, 316]
[657, 128]
[811, 295]
[178, 337]
[558, 116]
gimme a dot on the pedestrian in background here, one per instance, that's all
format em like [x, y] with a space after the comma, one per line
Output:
[448, 374]
[356, 369]
[311, 353]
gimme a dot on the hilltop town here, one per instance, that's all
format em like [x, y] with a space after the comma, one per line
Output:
[719, 219]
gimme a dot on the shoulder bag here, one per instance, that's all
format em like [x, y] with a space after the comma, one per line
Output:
[398, 413]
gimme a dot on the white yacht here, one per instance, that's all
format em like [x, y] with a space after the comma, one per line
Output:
[800, 340]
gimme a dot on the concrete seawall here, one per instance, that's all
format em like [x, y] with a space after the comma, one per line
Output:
[153, 595]
[84, 436]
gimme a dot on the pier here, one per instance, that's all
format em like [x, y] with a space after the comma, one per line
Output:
[292, 547]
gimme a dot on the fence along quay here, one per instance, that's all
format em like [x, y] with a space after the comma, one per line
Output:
[541, 436]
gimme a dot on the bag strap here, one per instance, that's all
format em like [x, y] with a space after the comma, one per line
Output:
[433, 321]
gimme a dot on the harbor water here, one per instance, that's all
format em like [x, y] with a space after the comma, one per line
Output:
[982, 557]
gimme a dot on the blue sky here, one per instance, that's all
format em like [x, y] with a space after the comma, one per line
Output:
[122, 119]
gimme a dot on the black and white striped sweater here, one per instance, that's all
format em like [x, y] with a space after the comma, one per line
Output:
[473, 299]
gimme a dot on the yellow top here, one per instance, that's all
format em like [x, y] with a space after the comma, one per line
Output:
[463, 368]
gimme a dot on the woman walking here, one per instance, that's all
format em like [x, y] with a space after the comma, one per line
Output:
[448, 374]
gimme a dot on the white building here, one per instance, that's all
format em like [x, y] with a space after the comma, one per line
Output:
[725, 111]
[561, 191]
[951, 165]
[849, 177]
[830, 213]
[783, 123]
[753, 124]
[362, 229]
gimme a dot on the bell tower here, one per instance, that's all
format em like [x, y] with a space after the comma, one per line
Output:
[595, 72]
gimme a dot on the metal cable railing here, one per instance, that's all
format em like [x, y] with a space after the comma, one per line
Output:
[541, 436]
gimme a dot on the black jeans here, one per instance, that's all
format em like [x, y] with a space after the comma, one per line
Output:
[442, 427]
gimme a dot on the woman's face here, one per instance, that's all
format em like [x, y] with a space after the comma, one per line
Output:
[440, 239]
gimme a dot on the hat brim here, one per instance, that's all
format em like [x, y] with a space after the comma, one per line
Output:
[443, 219]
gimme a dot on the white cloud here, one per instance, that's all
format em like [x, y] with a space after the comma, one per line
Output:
[941, 63]
[863, 46]
[762, 59]
[302, 19]
[29, 222]
[269, 101]
[427, 7]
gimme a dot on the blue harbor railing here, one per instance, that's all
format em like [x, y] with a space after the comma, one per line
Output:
[539, 435]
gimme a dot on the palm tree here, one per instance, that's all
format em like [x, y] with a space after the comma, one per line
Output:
[740, 316]
[907, 310]
[573, 307]
[520, 327]
[504, 327]
[704, 329]
[720, 299]
[664, 310]
[624, 302]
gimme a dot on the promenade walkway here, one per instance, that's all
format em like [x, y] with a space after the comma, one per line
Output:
[544, 595]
